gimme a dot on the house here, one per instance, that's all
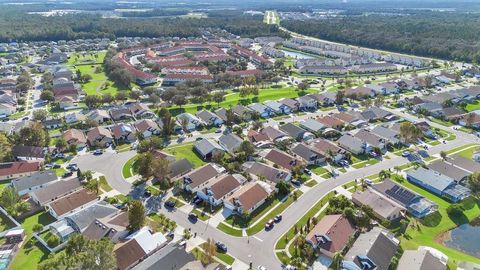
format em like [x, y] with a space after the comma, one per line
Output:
[450, 113]
[352, 144]
[262, 110]
[277, 107]
[34, 181]
[99, 116]
[376, 114]
[359, 93]
[121, 114]
[307, 103]
[207, 148]
[209, 118]
[325, 99]
[16, 169]
[415, 204]
[75, 137]
[269, 173]
[383, 207]
[112, 227]
[428, 107]
[198, 178]
[57, 189]
[312, 125]
[280, 158]
[290, 103]
[470, 120]
[330, 235]
[71, 203]
[371, 140]
[308, 154]
[450, 170]
[179, 167]
[274, 134]
[138, 246]
[81, 219]
[331, 122]
[296, 132]
[25, 152]
[373, 250]
[329, 149]
[388, 135]
[350, 119]
[188, 121]
[248, 198]
[65, 102]
[420, 259]
[426, 129]
[242, 112]
[99, 137]
[230, 142]
[52, 123]
[147, 127]
[123, 132]
[74, 117]
[141, 111]
[438, 184]
[219, 188]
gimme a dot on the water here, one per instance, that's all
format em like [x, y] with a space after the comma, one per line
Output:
[465, 238]
[297, 55]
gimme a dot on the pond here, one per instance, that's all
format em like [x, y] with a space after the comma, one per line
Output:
[298, 55]
[465, 238]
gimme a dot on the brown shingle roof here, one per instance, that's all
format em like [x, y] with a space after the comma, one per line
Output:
[337, 228]
[11, 168]
[74, 136]
[224, 185]
[281, 159]
[128, 254]
[201, 175]
[249, 195]
[72, 201]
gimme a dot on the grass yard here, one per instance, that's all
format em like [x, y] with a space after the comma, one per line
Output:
[473, 106]
[468, 152]
[229, 230]
[366, 163]
[311, 183]
[128, 168]
[222, 256]
[201, 214]
[276, 211]
[317, 169]
[234, 99]
[441, 122]
[463, 148]
[102, 181]
[60, 171]
[185, 151]
[177, 202]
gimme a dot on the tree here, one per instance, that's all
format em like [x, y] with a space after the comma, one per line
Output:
[179, 100]
[303, 86]
[160, 171]
[5, 148]
[379, 101]
[39, 115]
[37, 228]
[283, 188]
[168, 123]
[47, 95]
[136, 216]
[33, 135]
[61, 144]
[92, 101]
[339, 97]
[93, 186]
[210, 250]
[443, 155]
[409, 132]
[384, 174]
[337, 260]
[218, 97]
[474, 182]
[230, 117]
[144, 164]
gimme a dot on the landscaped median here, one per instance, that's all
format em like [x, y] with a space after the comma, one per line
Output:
[128, 169]
[230, 230]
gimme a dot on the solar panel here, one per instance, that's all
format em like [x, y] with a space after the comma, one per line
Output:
[400, 194]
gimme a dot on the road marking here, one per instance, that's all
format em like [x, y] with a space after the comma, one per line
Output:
[257, 238]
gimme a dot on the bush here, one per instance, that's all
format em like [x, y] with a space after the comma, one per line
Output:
[37, 228]
[53, 241]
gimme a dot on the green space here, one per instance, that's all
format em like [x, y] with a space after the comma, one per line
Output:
[311, 183]
[60, 171]
[441, 122]
[276, 211]
[229, 230]
[177, 202]
[223, 256]
[186, 151]
[317, 169]
[102, 181]
[473, 106]
[129, 168]
[428, 232]
[365, 163]
[468, 152]
[5, 223]
[4, 183]
[200, 214]
[463, 148]
[233, 99]
[161, 223]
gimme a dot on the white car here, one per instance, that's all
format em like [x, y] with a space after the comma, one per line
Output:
[261, 267]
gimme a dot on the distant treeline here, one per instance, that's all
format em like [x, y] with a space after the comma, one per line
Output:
[453, 36]
[19, 26]
[154, 13]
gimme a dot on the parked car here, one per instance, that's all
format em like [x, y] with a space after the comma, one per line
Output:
[278, 218]
[260, 267]
[221, 246]
[218, 131]
[192, 216]
[406, 153]
[67, 174]
[170, 204]
[98, 152]
[307, 171]
[296, 182]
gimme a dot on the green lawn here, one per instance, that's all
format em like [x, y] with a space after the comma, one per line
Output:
[104, 184]
[463, 148]
[427, 231]
[127, 170]
[224, 257]
[229, 230]
[201, 214]
[311, 183]
[467, 153]
[441, 122]
[234, 99]
[366, 163]
[177, 202]
[276, 211]
[60, 171]
[473, 106]
[317, 169]
[186, 151]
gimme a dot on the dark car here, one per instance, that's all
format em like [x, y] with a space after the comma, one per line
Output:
[192, 216]
[221, 246]
[97, 152]
[277, 218]
[170, 204]
[67, 174]
[296, 182]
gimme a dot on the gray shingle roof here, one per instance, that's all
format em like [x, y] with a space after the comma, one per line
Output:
[231, 142]
[36, 179]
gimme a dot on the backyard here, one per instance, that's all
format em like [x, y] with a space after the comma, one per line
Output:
[186, 151]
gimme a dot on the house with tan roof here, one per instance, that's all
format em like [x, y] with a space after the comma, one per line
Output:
[331, 234]
[140, 111]
[221, 187]
[383, 207]
[261, 170]
[75, 137]
[123, 132]
[147, 127]
[248, 198]
[100, 137]
[279, 158]
[200, 177]
[329, 149]
[331, 122]
[71, 203]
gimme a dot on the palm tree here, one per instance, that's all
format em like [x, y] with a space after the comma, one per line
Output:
[383, 174]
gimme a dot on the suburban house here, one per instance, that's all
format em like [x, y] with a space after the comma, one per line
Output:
[371, 140]
[147, 127]
[269, 173]
[120, 114]
[140, 111]
[374, 249]
[331, 122]
[221, 187]
[207, 148]
[75, 137]
[296, 132]
[71, 203]
[421, 259]
[331, 234]
[290, 103]
[389, 135]
[262, 110]
[209, 118]
[112, 227]
[277, 107]
[307, 103]
[383, 207]
[74, 117]
[123, 132]
[34, 181]
[100, 137]
[352, 144]
[415, 204]
[230, 142]
[438, 184]
[52, 123]
[450, 170]
[16, 169]
[26, 152]
[99, 116]
[179, 167]
[279, 158]
[57, 189]
[248, 198]
[242, 112]
[273, 134]
[350, 119]
[188, 121]
[199, 178]
[308, 154]
[329, 149]
[360, 92]
[312, 125]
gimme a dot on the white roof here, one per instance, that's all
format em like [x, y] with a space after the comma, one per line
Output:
[147, 241]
